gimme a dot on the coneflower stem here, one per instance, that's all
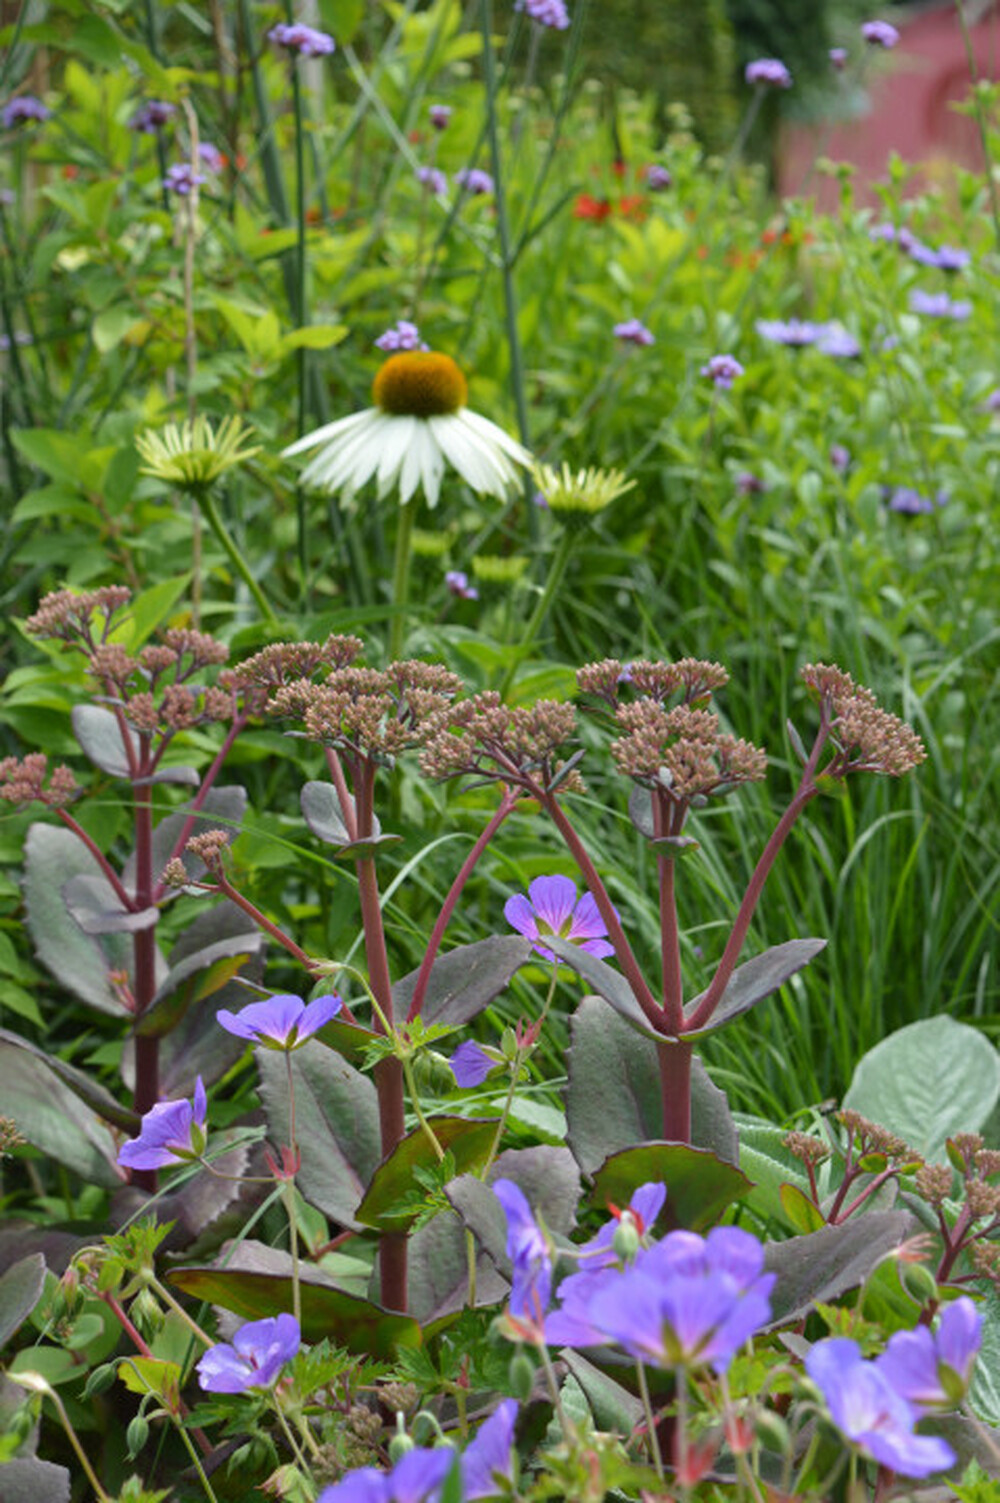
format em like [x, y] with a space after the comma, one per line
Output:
[239, 563]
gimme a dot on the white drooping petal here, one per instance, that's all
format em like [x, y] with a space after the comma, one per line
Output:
[461, 452]
[351, 459]
[431, 464]
[495, 436]
[327, 433]
[412, 472]
[395, 440]
[490, 453]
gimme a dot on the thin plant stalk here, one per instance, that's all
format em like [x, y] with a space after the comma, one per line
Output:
[401, 579]
[542, 606]
[301, 308]
[211, 514]
[289, 1187]
[647, 1406]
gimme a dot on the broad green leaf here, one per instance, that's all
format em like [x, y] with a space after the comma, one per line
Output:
[699, 1185]
[336, 1125]
[20, 1290]
[613, 1407]
[464, 981]
[927, 1082]
[150, 611]
[64, 456]
[357, 1324]
[341, 18]
[613, 1098]
[468, 1141]
[111, 326]
[54, 1363]
[150, 1375]
[769, 1166]
[799, 1210]
[97, 908]
[80, 962]
[313, 337]
[984, 1394]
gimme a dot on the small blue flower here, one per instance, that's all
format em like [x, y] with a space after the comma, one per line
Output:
[633, 331]
[172, 1131]
[473, 180]
[867, 1410]
[770, 72]
[304, 40]
[723, 370]
[22, 108]
[258, 1352]
[939, 305]
[434, 180]
[402, 336]
[182, 177]
[281, 1022]
[416, 1478]
[933, 1370]
[470, 1065]
[880, 34]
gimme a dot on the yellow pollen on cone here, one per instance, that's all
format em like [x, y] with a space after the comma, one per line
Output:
[419, 383]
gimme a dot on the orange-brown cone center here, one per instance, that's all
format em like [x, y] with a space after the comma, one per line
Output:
[419, 383]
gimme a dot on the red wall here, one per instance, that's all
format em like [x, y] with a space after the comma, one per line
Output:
[909, 92]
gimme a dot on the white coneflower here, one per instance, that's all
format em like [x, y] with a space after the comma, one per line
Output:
[418, 424]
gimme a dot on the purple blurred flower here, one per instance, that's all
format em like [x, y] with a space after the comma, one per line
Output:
[258, 1353]
[304, 40]
[181, 178]
[838, 58]
[749, 484]
[991, 403]
[434, 180]
[211, 156]
[470, 1065]
[551, 907]
[793, 331]
[938, 305]
[837, 342]
[489, 1455]
[457, 582]
[879, 34]
[440, 115]
[945, 258]
[768, 71]
[528, 1250]
[723, 370]
[903, 498]
[546, 12]
[868, 1411]
[280, 1022]
[633, 331]
[657, 177]
[21, 337]
[932, 1371]
[170, 1131]
[22, 108]
[402, 336]
[840, 458]
[473, 180]
[416, 1477]
[688, 1300]
[152, 116]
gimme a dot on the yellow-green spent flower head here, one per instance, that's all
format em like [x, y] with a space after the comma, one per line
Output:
[498, 569]
[575, 498]
[193, 455]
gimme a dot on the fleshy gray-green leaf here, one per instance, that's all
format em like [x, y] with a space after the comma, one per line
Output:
[608, 983]
[336, 1123]
[28, 1480]
[52, 1119]
[222, 809]
[97, 909]
[823, 1265]
[321, 812]
[612, 1095]
[89, 1091]
[80, 962]
[927, 1082]
[756, 980]
[20, 1290]
[438, 1271]
[100, 738]
[464, 981]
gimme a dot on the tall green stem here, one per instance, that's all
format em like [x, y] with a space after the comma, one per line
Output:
[239, 563]
[301, 307]
[556, 571]
[401, 579]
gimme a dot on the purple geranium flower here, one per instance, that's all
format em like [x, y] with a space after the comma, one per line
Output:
[281, 1022]
[170, 1131]
[795, 332]
[402, 336]
[641, 1212]
[457, 581]
[879, 34]
[181, 178]
[22, 108]
[687, 1300]
[723, 370]
[473, 180]
[837, 342]
[657, 177]
[546, 12]
[304, 40]
[633, 331]
[945, 258]
[932, 1371]
[489, 1456]
[838, 58]
[769, 72]
[258, 1353]
[152, 116]
[440, 115]
[528, 1250]
[551, 907]
[434, 180]
[416, 1477]
[868, 1411]
[470, 1065]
